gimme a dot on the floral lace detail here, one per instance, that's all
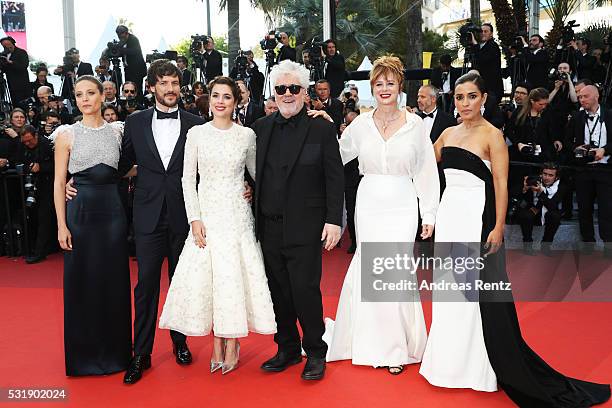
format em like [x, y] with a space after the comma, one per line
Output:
[222, 287]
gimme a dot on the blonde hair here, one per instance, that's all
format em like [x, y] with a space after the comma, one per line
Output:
[385, 66]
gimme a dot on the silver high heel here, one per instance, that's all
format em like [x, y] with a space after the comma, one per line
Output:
[216, 365]
[227, 368]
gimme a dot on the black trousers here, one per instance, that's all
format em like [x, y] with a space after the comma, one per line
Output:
[46, 229]
[527, 219]
[151, 249]
[350, 199]
[294, 278]
[594, 183]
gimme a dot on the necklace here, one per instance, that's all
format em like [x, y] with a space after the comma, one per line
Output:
[387, 121]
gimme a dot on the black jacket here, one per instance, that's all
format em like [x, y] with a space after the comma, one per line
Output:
[574, 135]
[17, 75]
[335, 108]
[214, 65]
[35, 85]
[135, 66]
[315, 179]
[186, 77]
[442, 121]
[536, 67]
[286, 52]
[335, 72]
[542, 131]
[254, 111]
[84, 68]
[154, 184]
[436, 77]
[487, 61]
[551, 204]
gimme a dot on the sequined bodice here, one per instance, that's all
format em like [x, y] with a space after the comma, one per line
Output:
[92, 146]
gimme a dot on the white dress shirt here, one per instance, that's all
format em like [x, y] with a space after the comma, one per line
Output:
[446, 87]
[595, 130]
[428, 122]
[166, 133]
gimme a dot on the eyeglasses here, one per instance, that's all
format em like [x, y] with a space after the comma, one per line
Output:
[293, 88]
[130, 91]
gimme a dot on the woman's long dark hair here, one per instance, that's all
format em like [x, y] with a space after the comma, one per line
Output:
[535, 95]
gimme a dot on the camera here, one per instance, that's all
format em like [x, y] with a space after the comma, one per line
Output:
[555, 75]
[531, 149]
[567, 32]
[316, 58]
[29, 184]
[130, 102]
[586, 152]
[188, 96]
[533, 180]
[518, 40]
[196, 48]
[241, 63]
[156, 55]
[466, 31]
[270, 41]
[114, 49]
[67, 63]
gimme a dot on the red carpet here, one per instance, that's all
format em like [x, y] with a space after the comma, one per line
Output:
[574, 338]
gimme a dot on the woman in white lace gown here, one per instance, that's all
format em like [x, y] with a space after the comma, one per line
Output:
[397, 160]
[220, 283]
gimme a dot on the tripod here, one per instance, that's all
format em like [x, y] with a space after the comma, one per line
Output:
[6, 103]
[606, 86]
[270, 62]
[468, 61]
[519, 71]
[116, 76]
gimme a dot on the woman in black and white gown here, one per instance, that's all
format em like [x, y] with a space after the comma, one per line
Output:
[479, 345]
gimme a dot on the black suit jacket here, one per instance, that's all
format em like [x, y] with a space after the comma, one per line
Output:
[574, 136]
[436, 77]
[17, 75]
[154, 184]
[84, 69]
[487, 61]
[214, 65]
[254, 111]
[315, 179]
[442, 121]
[537, 67]
[335, 108]
[135, 66]
[186, 77]
[551, 204]
[286, 52]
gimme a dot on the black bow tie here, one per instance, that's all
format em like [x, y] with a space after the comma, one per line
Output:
[592, 117]
[281, 120]
[166, 115]
[427, 115]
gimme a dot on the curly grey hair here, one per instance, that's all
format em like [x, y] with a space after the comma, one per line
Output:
[288, 67]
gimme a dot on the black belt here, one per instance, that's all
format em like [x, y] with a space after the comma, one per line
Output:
[273, 218]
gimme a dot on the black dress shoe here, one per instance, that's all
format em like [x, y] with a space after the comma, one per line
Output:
[182, 353]
[137, 366]
[281, 361]
[35, 259]
[314, 368]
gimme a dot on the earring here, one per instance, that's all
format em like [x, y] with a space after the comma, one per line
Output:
[482, 109]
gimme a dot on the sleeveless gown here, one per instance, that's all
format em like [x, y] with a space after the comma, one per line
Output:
[97, 292]
[222, 287]
[479, 345]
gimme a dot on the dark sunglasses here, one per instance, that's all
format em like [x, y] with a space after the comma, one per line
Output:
[129, 91]
[293, 88]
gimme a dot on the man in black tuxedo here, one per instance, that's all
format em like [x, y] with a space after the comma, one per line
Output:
[133, 63]
[298, 202]
[248, 110]
[154, 140]
[213, 61]
[487, 60]
[536, 60]
[325, 102]
[434, 119]
[254, 78]
[14, 61]
[588, 134]
[80, 69]
[539, 205]
[444, 77]
[186, 75]
[286, 51]
[335, 68]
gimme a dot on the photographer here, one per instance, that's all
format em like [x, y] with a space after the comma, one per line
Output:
[538, 204]
[519, 96]
[110, 93]
[39, 169]
[443, 77]
[41, 80]
[563, 97]
[350, 100]
[199, 89]
[186, 75]
[10, 150]
[286, 51]
[587, 133]
[306, 59]
[110, 113]
[247, 110]
[335, 68]
[213, 61]
[203, 106]
[134, 64]
[14, 62]
[245, 68]
[585, 63]
[536, 61]
[270, 106]
[487, 60]
[71, 69]
[325, 102]
[50, 121]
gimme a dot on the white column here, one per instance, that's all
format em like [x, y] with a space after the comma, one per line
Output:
[327, 31]
[69, 31]
[534, 17]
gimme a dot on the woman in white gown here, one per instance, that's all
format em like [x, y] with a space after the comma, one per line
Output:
[479, 345]
[220, 282]
[397, 160]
